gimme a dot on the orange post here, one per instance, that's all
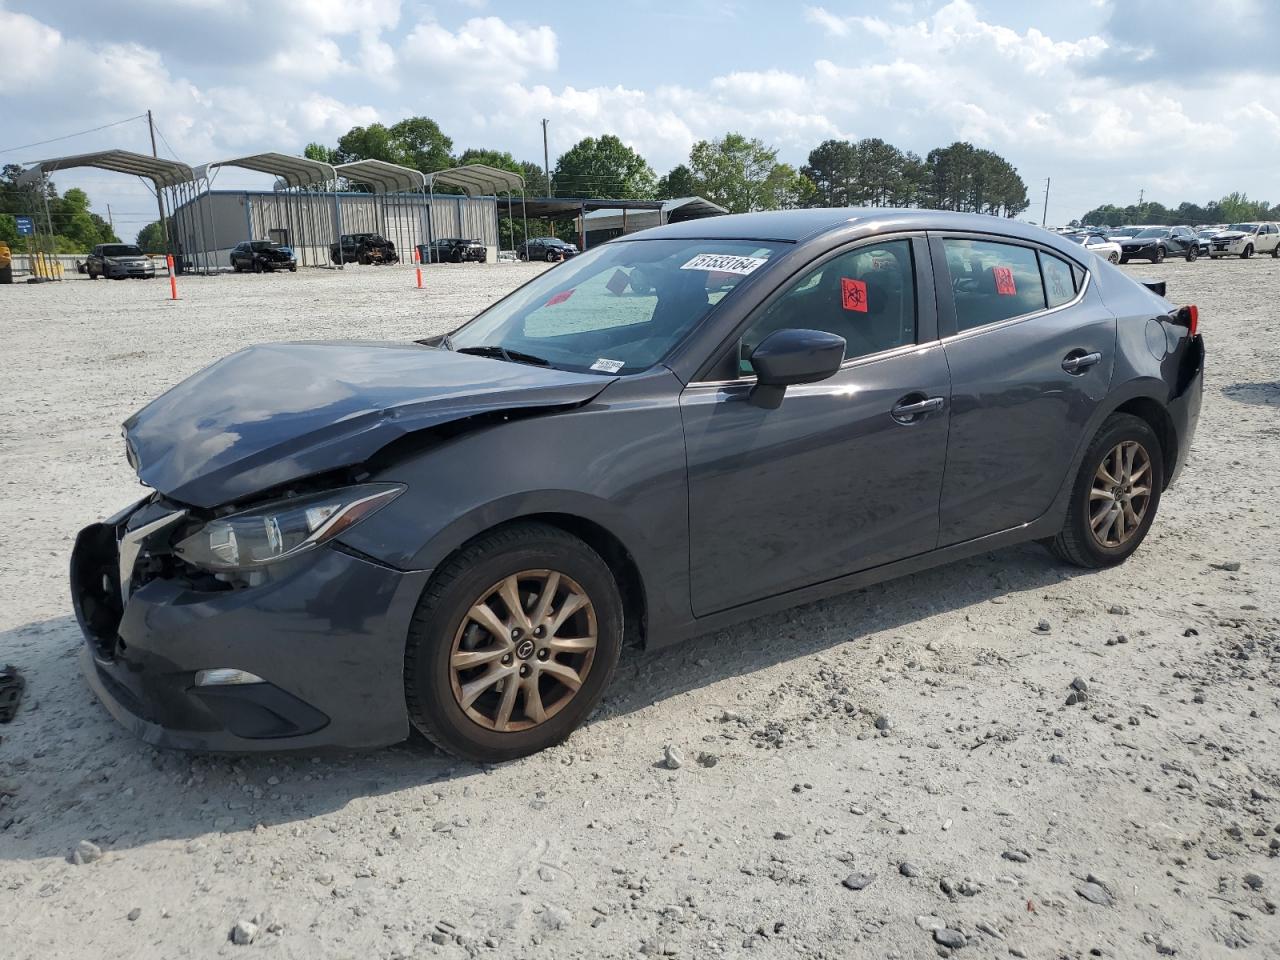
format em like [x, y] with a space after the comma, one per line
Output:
[173, 280]
[418, 271]
[415, 253]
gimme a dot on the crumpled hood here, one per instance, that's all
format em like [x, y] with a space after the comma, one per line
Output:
[279, 412]
[1231, 235]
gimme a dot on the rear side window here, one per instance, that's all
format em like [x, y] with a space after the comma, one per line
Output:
[1059, 286]
[991, 282]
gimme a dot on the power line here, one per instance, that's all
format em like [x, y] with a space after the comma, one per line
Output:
[40, 143]
[166, 143]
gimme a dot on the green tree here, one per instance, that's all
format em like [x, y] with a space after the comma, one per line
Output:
[151, 238]
[8, 229]
[834, 170]
[742, 175]
[535, 180]
[603, 167]
[420, 143]
[318, 151]
[678, 182]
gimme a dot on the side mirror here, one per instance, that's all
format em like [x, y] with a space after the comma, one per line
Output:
[787, 357]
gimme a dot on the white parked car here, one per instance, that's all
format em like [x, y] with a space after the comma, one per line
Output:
[1099, 244]
[1245, 239]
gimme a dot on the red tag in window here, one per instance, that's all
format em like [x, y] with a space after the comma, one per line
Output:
[617, 283]
[1004, 281]
[560, 297]
[853, 294]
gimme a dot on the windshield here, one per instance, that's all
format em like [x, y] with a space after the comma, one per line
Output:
[263, 245]
[1150, 232]
[1244, 227]
[619, 308]
[121, 250]
[1124, 232]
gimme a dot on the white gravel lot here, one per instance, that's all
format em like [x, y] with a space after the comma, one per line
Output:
[1164, 786]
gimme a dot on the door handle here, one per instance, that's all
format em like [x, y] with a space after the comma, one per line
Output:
[907, 412]
[1076, 362]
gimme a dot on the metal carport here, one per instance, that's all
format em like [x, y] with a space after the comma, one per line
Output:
[295, 175]
[480, 179]
[171, 175]
[387, 179]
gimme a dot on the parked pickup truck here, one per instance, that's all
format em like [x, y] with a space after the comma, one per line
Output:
[363, 248]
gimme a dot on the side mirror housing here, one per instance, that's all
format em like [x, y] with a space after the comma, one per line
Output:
[787, 357]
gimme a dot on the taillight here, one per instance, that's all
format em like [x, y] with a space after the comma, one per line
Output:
[1189, 317]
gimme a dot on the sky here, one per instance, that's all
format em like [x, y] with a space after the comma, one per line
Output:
[1106, 99]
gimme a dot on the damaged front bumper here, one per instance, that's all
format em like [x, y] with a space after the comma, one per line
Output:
[323, 634]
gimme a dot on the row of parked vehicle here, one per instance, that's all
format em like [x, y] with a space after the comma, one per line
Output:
[1155, 243]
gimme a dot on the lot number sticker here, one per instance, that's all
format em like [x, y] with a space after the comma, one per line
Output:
[725, 263]
[608, 366]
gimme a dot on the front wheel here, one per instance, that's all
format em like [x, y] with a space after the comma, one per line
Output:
[1247, 253]
[1113, 257]
[512, 644]
[1159, 255]
[1124, 258]
[1275, 252]
[1115, 495]
[1192, 254]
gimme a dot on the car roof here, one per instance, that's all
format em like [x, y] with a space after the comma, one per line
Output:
[797, 225]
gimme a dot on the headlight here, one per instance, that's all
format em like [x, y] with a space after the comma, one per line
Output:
[284, 529]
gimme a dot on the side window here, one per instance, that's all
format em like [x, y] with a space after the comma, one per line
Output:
[992, 281]
[867, 296]
[1058, 284]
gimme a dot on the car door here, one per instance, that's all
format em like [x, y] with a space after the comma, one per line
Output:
[845, 474]
[1030, 347]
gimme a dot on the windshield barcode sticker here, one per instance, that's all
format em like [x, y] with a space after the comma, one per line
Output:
[724, 263]
[608, 366]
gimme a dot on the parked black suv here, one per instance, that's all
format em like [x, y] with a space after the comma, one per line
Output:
[546, 248]
[453, 250]
[260, 255]
[1156, 243]
[363, 248]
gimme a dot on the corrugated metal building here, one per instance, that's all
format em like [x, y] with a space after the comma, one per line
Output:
[306, 220]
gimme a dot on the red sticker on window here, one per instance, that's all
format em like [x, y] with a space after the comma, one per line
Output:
[1004, 281]
[853, 294]
[617, 283]
[560, 297]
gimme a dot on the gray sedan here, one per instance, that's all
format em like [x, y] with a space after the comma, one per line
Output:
[667, 434]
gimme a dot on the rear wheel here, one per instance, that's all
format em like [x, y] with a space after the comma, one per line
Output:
[1114, 257]
[1115, 495]
[512, 644]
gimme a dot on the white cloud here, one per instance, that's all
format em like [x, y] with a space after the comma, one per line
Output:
[482, 48]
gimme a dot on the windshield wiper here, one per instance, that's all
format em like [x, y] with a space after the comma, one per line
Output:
[497, 350]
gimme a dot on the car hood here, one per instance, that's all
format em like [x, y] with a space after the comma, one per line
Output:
[126, 258]
[278, 412]
[1231, 235]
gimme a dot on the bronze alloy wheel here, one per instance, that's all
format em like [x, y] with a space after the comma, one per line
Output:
[1120, 494]
[523, 650]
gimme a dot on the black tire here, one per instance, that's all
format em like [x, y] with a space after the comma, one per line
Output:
[1275, 252]
[1247, 252]
[433, 708]
[1124, 258]
[1193, 253]
[1159, 255]
[1076, 543]
[293, 268]
[1114, 258]
[92, 275]
[257, 266]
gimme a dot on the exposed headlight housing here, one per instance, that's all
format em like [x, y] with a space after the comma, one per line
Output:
[283, 529]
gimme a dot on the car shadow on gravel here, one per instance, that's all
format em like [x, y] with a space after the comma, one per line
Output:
[73, 773]
[1264, 394]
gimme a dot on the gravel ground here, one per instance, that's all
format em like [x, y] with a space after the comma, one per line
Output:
[1143, 821]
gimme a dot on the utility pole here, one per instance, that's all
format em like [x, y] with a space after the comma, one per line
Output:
[110, 220]
[1044, 217]
[164, 229]
[1141, 194]
[546, 157]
